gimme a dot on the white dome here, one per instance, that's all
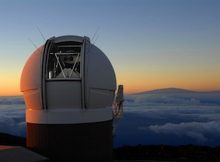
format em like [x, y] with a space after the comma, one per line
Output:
[68, 76]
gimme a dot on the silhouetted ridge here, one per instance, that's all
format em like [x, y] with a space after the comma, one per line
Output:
[173, 91]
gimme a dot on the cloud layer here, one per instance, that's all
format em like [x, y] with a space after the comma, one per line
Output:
[142, 123]
[11, 101]
[170, 118]
[199, 131]
[12, 116]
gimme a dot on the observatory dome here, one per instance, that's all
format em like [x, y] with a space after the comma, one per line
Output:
[68, 80]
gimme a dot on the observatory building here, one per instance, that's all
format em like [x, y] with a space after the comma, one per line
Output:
[69, 87]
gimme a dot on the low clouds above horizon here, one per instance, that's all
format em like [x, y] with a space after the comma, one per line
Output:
[169, 98]
[11, 100]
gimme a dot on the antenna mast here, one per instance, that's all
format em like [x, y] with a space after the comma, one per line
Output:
[35, 46]
[41, 33]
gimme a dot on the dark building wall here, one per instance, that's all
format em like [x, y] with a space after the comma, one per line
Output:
[72, 142]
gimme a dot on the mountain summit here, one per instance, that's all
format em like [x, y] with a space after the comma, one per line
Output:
[167, 91]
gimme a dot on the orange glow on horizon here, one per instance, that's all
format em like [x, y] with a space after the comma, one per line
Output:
[10, 83]
[10, 89]
[129, 88]
[198, 83]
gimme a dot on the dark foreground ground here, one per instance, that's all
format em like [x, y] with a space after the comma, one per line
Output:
[186, 153]
[6, 139]
[168, 153]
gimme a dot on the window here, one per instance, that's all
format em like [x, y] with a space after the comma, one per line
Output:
[64, 61]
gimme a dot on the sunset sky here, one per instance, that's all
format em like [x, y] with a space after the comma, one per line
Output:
[152, 44]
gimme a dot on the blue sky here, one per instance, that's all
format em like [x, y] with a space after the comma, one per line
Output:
[147, 41]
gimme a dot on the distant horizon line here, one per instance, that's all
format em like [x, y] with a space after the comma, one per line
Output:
[143, 91]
